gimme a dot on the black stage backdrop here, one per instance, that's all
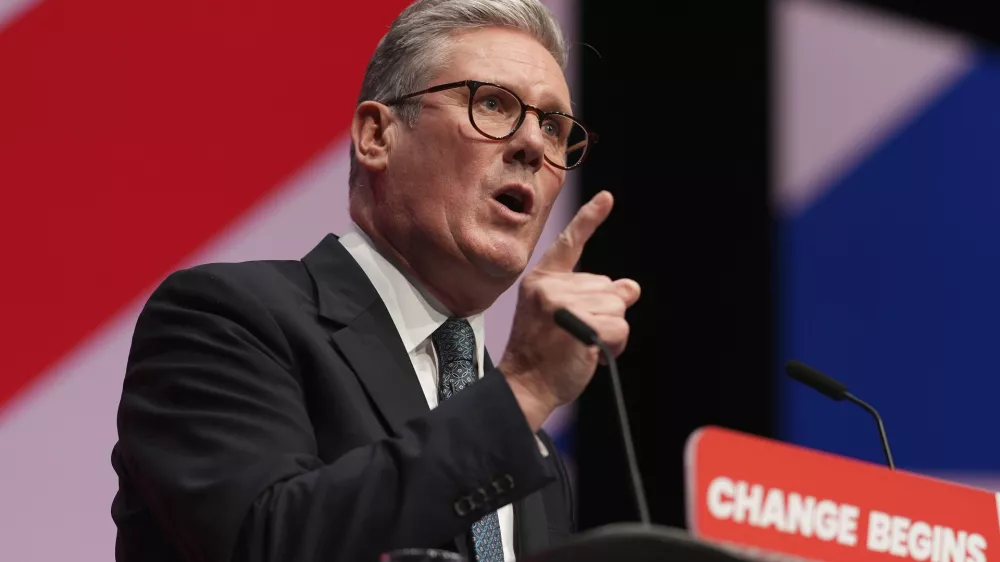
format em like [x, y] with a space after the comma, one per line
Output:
[680, 94]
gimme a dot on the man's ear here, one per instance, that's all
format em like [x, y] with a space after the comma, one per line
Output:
[371, 132]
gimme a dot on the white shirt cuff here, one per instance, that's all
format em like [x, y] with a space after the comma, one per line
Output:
[541, 447]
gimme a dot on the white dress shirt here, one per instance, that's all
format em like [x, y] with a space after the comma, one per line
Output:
[417, 315]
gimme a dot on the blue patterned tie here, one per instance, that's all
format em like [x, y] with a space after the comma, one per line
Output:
[456, 350]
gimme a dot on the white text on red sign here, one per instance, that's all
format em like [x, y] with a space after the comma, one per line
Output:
[828, 520]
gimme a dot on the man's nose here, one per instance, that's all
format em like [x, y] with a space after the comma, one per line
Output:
[527, 145]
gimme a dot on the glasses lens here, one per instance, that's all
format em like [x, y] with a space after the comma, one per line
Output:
[566, 140]
[495, 111]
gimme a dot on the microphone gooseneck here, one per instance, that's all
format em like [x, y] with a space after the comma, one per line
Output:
[837, 391]
[881, 427]
[581, 331]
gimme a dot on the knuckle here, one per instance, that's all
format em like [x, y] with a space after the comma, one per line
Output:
[535, 295]
[612, 330]
[546, 299]
[612, 304]
[621, 328]
[535, 282]
[566, 238]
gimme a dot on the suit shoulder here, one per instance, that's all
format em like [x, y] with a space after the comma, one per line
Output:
[272, 283]
[260, 275]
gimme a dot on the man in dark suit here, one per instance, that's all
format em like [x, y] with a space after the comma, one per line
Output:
[341, 406]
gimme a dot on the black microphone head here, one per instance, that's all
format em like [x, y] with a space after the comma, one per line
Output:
[578, 328]
[815, 379]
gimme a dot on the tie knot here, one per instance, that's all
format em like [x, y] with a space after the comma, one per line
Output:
[455, 341]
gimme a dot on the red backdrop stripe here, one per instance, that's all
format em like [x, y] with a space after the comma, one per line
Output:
[132, 132]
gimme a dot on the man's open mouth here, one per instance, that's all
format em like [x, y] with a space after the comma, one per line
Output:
[517, 198]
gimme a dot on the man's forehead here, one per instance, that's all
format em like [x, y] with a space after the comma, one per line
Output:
[510, 58]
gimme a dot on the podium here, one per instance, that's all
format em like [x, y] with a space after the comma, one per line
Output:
[633, 542]
[751, 498]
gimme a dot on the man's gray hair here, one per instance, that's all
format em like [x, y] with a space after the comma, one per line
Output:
[415, 45]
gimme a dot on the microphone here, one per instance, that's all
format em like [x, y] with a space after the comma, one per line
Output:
[581, 331]
[837, 391]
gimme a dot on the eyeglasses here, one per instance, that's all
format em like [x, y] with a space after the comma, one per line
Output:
[497, 113]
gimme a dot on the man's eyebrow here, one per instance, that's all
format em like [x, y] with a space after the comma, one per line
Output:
[563, 109]
[549, 101]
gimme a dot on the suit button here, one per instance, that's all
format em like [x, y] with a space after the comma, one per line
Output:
[464, 506]
[503, 484]
[482, 496]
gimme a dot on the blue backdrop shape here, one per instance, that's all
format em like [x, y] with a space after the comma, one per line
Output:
[891, 283]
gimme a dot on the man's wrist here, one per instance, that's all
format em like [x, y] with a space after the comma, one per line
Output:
[535, 408]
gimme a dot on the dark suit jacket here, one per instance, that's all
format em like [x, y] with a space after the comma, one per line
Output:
[271, 413]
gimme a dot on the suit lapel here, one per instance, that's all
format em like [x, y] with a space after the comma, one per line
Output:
[365, 334]
[380, 361]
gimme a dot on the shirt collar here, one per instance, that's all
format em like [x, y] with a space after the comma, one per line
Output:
[414, 311]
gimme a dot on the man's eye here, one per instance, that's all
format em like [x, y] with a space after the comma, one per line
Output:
[551, 128]
[490, 103]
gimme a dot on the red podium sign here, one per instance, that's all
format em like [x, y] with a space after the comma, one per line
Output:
[757, 493]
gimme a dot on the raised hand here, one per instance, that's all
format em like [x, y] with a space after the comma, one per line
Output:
[545, 366]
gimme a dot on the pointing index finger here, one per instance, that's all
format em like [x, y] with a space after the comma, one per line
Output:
[565, 252]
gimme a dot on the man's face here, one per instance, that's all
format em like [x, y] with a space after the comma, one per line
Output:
[443, 178]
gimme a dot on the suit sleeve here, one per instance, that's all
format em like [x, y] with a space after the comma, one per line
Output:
[569, 498]
[216, 438]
